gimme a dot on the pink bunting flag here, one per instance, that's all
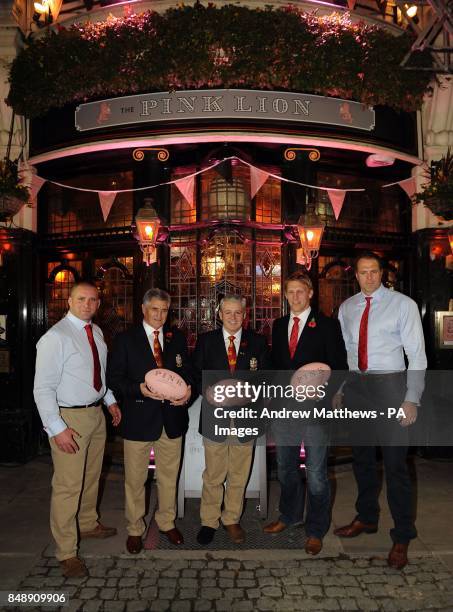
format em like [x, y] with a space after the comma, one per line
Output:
[409, 185]
[257, 179]
[186, 187]
[106, 199]
[36, 183]
[336, 197]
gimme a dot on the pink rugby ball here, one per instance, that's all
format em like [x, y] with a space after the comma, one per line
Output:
[166, 383]
[315, 374]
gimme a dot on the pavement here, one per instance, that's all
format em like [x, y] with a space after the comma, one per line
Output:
[347, 575]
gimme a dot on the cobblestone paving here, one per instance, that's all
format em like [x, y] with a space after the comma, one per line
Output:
[118, 584]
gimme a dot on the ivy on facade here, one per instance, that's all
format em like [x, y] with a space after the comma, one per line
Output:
[191, 47]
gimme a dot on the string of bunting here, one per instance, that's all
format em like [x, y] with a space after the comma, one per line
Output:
[186, 185]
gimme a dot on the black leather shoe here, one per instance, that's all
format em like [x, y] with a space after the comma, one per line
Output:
[205, 535]
[134, 545]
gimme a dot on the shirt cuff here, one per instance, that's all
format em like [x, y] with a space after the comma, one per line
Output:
[109, 398]
[55, 427]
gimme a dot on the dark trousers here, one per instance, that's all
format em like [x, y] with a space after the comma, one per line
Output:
[315, 488]
[380, 392]
[399, 489]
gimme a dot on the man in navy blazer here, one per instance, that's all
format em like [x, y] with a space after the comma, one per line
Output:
[148, 419]
[299, 338]
[227, 459]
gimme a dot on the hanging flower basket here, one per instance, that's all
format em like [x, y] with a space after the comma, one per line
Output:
[437, 195]
[442, 206]
[9, 206]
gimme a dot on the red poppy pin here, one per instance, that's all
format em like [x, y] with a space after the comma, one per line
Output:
[312, 323]
[168, 336]
[244, 344]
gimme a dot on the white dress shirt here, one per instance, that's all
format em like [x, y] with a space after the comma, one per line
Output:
[149, 330]
[64, 371]
[237, 339]
[302, 316]
[394, 329]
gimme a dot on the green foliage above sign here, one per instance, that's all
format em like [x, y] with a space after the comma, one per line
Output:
[191, 47]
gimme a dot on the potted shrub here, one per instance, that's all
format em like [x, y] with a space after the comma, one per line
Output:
[437, 195]
[13, 195]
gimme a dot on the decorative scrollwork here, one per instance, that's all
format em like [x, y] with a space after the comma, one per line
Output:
[291, 153]
[139, 155]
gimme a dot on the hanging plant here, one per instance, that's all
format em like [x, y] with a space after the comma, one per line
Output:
[193, 47]
[13, 195]
[437, 194]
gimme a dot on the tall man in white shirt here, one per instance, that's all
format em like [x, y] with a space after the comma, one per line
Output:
[69, 390]
[380, 327]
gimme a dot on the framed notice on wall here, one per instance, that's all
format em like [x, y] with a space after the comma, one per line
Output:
[444, 329]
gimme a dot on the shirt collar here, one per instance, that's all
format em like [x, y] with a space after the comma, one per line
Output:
[237, 335]
[377, 295]
[302, 316]
[79, 323]
[149, 329]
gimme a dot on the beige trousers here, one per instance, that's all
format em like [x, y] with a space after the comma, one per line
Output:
[75, 480]
[167, 459]
[228, 461]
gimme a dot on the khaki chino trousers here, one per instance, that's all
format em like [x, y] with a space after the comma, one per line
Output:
[75, 481]
[227, 461]
[167, 459]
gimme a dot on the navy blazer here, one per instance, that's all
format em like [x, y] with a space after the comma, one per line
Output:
[210, 354]
[129, 360]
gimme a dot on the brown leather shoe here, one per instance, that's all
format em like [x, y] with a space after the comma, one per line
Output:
[398, 556]
[355, 528]
[73, 568]
[313, 546]
[236, 533]
[275, 527]
[134, 544]
[100, 531]
[174, 536]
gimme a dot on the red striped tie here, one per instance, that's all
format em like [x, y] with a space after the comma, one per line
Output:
[232, 357]
[157, 350]
[363, 337]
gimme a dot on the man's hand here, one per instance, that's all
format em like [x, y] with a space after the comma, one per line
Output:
[115, 413]
[410, 411]
[147, 393]
[184, 399]
[337, 400]
[65, 441]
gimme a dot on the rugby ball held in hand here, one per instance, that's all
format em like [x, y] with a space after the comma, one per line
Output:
[315, 374]
[166, 383]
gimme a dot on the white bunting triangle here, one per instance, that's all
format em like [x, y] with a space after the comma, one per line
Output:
[336, 197]
[409, 185]
[186, 187]
[257, 179]
[106, 199]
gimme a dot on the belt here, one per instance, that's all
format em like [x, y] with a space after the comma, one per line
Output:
[96, 403]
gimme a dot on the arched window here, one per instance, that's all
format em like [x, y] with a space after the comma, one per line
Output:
[60, 279]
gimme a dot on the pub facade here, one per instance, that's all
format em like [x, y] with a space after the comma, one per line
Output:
[230, 180]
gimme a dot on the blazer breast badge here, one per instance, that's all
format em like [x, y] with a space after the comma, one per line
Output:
[178, 361]
[253, 363]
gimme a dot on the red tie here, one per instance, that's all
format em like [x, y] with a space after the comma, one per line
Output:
[293, 339]
[157, 350]
[363, 337]
[97, 380]
[232, 354]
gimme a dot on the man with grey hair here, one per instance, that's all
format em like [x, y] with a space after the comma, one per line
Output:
[148, 419]
[228, 459]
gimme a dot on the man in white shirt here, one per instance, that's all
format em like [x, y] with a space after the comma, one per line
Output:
[69, 390]
[379, 328]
